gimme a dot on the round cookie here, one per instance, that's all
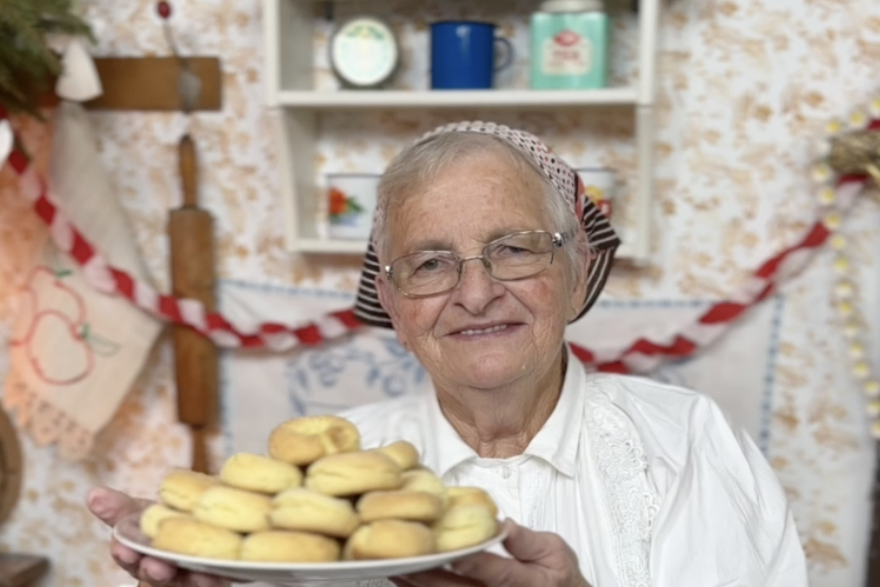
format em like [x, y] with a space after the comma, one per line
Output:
[403, 453]
[259, 473]
[463, 526]
[415, 506]
[181, 489]
[308, 511]
[234, 509]
[302, 441]
[353, 473]
[471, 495]
[425, 480]
[155, 515]
[194, 538]
[289, 547]
[387, 539]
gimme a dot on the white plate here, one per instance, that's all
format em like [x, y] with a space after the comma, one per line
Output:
[128, 533]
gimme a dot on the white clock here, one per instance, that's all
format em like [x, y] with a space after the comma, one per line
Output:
[364, 52]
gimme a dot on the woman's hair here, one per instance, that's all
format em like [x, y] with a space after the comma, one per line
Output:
[422, 163]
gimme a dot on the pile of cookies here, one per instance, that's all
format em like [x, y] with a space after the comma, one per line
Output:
[317, 498]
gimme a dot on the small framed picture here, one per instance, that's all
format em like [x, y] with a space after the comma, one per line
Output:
[351, 201]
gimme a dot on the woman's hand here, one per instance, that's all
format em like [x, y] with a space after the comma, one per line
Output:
[539, 558]
[110, 507]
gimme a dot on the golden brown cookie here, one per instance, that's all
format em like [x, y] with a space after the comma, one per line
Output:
[425, 480]
[388, 539]
[234, 509]
[181, 489]
[302, 441]
[415, 506]
[308, 511]
[289, 547]
[463, 526]
[403, 453]
[471, 495]
[259, 473]
[154, 515]
[353, 473]
[194, 538]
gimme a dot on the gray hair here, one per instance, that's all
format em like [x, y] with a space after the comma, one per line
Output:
[421, 163]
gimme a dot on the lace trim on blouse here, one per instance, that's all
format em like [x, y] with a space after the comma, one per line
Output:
[630, 501]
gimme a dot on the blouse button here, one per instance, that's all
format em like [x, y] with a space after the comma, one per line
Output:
[505, 472]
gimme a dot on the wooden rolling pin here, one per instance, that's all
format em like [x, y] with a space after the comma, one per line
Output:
[191, 234]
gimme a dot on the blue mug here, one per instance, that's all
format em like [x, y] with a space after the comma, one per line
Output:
[463, 55]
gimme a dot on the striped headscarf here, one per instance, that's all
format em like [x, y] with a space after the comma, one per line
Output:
[601, 237]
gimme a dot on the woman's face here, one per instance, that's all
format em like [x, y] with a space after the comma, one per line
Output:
[470, 204]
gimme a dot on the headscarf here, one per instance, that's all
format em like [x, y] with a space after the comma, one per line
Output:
[602, 239]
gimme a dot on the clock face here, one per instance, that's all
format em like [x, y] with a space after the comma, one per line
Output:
[364, 52]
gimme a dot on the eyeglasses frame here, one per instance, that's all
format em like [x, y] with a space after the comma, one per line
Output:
[558, 240]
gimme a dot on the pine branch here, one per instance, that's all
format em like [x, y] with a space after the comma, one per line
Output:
[27, 37]
[8, 83]
[27, 64]
[66, 23]
[13, 98]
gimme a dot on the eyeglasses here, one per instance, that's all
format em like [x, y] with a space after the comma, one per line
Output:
[510, 258]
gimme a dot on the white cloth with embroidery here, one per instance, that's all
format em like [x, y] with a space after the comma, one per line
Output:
[647, 482]
[75, 351]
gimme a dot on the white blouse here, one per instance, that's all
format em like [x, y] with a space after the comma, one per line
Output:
[648, 483]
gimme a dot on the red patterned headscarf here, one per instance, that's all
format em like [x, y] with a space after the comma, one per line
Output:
[601, 237]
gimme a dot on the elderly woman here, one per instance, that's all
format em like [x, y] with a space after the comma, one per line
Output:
[485, 247]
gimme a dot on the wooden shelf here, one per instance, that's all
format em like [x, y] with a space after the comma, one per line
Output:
[296, 108]
[457, 98]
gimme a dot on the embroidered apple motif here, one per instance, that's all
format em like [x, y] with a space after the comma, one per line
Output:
[64, 299]
[55, 318]
[56, 331]
[44, 285]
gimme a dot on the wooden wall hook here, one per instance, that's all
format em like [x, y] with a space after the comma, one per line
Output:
[150, 84]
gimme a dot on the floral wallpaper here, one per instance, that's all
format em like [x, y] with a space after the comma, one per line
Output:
[744, 89]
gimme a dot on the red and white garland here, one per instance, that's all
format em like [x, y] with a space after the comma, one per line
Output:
[641, 356]
[114, 281]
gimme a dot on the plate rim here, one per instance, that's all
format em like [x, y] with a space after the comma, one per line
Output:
[218, 565]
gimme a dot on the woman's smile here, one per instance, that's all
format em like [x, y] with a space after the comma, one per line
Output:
[485, 332]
